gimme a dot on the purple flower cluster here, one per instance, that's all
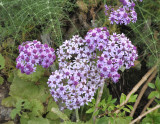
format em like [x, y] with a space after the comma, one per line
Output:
[97, 39]
[115, 51]
[119, 52]
[123, 15]
[33, 54]
[77, 79]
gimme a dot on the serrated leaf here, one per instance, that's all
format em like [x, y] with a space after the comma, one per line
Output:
[35, 76]
[37, 107]
[151, 85]
[2, 62]
[39, 120]
[9, 102]
[28, 90]
[58, 121]
[123, 98]
[154, 94]
[11, 77]
[157, 83]
[1, 80]
[132, 98]
[50, 114]
[90, 110]
[14, 112]
[60, 114]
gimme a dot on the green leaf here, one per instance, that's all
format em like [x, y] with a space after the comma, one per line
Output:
[154, 94]
[1, 80]
[9, 101]
[123, 98]
[126, 109]
[122, 68]
[37, 108]
[109, 98]
[90, 110]
[113, 101]
[151, 85]
[96, 113]
[28, 90]
[158, 101]
[70, 122]
[50, 114]
[132, 98]
[24, 118]
[129, 106]
[103, 120]
[11, 77]
[93, 101]
[14, 112]
[9, 122]
[39, 120]
[60, 114]
[157, 83]
[35, 76]
[2, 62]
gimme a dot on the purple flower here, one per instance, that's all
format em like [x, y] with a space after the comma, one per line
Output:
[34, 53]
[124, 14]
[76, 74]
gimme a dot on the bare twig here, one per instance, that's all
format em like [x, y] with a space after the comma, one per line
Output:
[144, 114]
[142, 92]
[144, 78]
[97, 101]
[146, 106]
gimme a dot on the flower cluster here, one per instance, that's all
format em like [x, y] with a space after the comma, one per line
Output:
[77, 79]
[115, 51]
[97, 39]
[119, 52]
[123, 15]
[33, 54]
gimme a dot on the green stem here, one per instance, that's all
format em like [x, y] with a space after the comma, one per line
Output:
[77, 115]
[97, 102]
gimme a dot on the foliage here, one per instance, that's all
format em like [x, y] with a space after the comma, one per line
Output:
[25, 20]
[156, 86]
[28, 98]
[108, 107]
[145, 33]
[152, 118]
[34, 77]
[2, 62]
[1, 80]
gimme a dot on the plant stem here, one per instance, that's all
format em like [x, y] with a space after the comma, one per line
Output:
[144, 114]
[142, 92]
[97, 102]
[77, 115]
[146, 106]
[144, 78]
